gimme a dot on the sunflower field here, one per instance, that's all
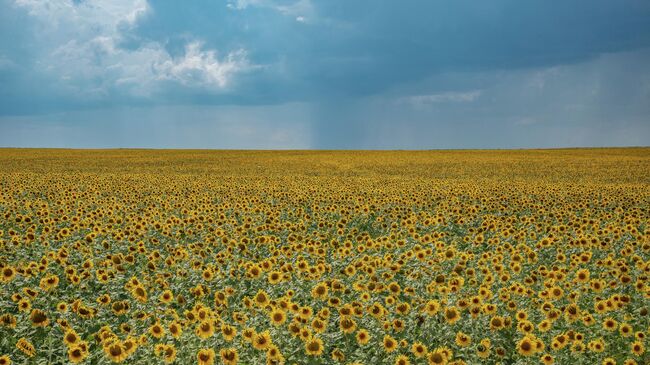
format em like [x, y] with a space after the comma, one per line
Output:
[325, 257]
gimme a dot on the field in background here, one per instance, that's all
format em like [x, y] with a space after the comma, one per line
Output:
[440, 257]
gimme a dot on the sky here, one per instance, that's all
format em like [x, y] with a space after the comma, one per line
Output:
[324, 74]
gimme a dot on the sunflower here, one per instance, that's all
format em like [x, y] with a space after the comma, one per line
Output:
[437, 357]
[319, 291]
[625, 330]
[105, 335]
[403, 308]
[261, 341]
[278, 317]
[70, 337]
[25, 347]
[610, 324]
[86, 312]
[121, 307]
[8, 274]
[159, 349]
[524, 326]
[419, 349]
[545, 325]
[77, 354]
[402, 360]
[157, 331]
[5, 360]
[275, 277]
[169, 353]
[175, 329]
[451, 315]
[261, 298]
[166, 297]
[347, 325]
[559, 342]
[338, 355]
[240, 317]
[462, 339]
[140, 293]
[305, 312]
[74, 279]
[130, 345]
[273, 355]
[205, 329]
[39, 318]
[229, 332]
[362, 336]
[115, 351]
[49, 282]
[208, 274]
[608, 361]
[521, 315]
[229, 356]
[637, 348]
[104, 299]
[390, 344]
[62, 307]
[205, 356]
[582, 276]
[526, 346]
[482, 350]
[377, 310]
[577, 347]
[24, 305]
[497, 323]
[547, 359]
[597, 345]
[8, 320]
[248, 334]
[639, 335]
[254, 272]
[318, 325]
[314, 346]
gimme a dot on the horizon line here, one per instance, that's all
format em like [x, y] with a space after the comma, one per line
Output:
[323, 149]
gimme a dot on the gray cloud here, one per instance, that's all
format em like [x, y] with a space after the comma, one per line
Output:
[602, 102]
[324, 74]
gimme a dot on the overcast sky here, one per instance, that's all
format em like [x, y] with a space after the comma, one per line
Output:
[361, 74]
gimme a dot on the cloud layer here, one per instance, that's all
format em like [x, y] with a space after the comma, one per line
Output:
[91, 52]
[345, 74]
